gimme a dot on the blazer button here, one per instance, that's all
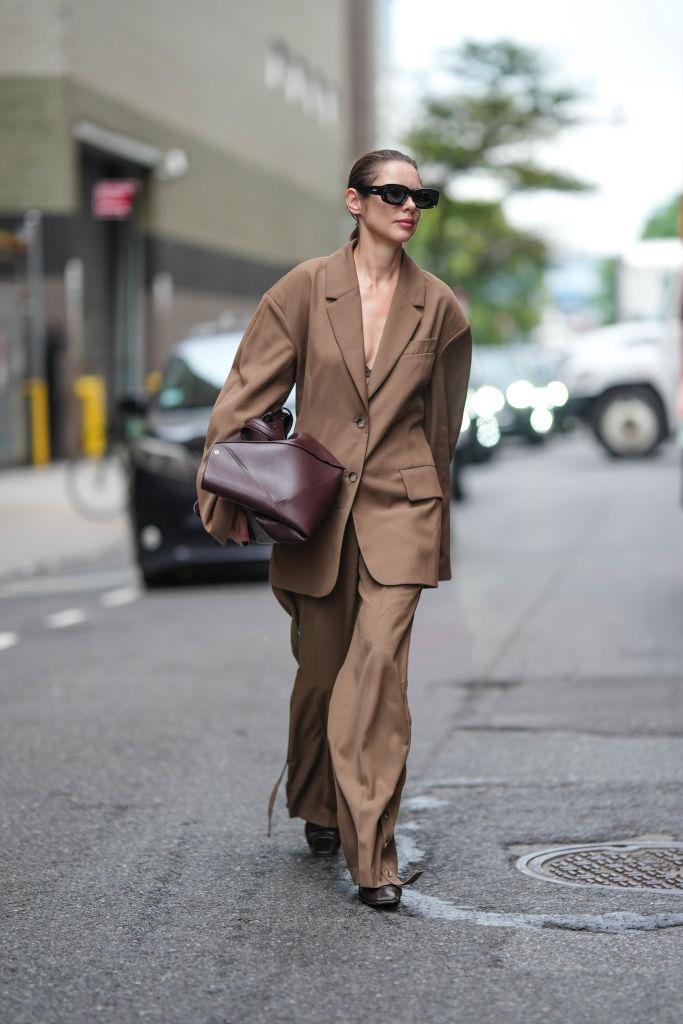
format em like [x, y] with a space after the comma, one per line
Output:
[353, 477]
[360, 422]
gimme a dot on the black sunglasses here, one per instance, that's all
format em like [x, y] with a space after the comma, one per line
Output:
[396, 195]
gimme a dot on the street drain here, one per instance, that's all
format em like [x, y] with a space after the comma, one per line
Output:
[654, 867]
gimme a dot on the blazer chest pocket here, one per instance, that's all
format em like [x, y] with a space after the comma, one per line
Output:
[421, 482]
[421, 347]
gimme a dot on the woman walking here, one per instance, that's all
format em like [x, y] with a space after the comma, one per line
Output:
[380, 351]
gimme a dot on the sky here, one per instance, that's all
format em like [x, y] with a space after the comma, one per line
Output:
[627, 53]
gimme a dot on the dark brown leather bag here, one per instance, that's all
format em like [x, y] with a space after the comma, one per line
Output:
[284, 484]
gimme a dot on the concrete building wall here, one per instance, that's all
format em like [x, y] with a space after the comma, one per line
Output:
[33, 37]
[202, 72]
[256, 95]
[268, 103]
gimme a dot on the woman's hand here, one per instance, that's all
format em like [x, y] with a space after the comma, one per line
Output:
[240, 528]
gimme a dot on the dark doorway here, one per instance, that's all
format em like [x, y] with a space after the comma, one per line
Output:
[113, 275]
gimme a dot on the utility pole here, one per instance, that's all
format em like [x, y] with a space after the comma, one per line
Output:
[36, 385]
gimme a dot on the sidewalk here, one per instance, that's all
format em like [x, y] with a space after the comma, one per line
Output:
[40, 529]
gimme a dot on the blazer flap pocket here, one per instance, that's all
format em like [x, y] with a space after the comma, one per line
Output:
[421, 482]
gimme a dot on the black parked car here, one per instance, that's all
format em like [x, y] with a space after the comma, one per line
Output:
[522, 379]
[169, 538]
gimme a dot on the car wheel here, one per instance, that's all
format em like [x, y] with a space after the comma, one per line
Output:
[628, 422]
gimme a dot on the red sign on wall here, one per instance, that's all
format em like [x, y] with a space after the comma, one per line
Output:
[114, 198]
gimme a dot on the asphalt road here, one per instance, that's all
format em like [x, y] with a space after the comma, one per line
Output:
[141, 733]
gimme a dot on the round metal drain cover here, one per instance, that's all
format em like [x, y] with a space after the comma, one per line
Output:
[656, 867]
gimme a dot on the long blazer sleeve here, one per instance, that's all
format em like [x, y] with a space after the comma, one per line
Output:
[260, 379]
[444, 409]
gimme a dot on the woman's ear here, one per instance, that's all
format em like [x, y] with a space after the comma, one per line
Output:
[352, 201]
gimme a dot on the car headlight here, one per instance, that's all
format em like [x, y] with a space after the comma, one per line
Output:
[556, 394]
[164, 458]
[541, 420]
[488, 432]
[487, 400]
[521, 394]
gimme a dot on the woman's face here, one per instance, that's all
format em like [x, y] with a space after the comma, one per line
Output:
[394, 224]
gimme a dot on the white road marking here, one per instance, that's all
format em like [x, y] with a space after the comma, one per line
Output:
[67, 617]
[8, 639]
[63, 584]
[122, 595]
[74, 616]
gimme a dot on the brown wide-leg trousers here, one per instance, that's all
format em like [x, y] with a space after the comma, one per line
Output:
[350, 724]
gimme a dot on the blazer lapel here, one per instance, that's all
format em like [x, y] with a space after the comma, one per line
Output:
[345, 314]
[346, 317]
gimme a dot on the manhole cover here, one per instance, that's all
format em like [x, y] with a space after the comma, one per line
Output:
[651, 866]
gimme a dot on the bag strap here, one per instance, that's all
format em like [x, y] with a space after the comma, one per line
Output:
[282, 419]
[273, 795]
[272, 426]
[258, 430]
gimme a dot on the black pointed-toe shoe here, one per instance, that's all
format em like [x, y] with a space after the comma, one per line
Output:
[384, 897]
[322, 838]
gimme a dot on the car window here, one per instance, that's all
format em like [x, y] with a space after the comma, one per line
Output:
[196, 373]
[197, 370]
[494, 365]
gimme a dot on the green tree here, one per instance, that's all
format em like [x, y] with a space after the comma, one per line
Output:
[663, 223]
[503, 100]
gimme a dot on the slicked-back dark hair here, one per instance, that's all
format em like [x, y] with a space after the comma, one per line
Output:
[367, 167]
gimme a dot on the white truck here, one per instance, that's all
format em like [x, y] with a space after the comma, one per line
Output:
[624, 379]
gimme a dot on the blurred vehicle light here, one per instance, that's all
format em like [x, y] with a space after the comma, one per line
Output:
[521, 394]
[541, 420]
[488, 432]
[487, 400]
[556, 393]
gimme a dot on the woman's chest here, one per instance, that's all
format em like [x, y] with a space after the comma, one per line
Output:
[375, 308]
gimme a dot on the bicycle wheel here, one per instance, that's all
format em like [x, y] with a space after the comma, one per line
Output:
[97, 487]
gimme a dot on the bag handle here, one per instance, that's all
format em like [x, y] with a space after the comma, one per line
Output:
[272, 426]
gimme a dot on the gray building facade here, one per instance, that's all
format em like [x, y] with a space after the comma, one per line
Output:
[238, 124]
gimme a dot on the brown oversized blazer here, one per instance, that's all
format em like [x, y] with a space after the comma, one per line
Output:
[395, 433]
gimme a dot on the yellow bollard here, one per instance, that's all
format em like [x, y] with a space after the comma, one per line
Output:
[90, 389]
[153, 381]
[39, 416]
